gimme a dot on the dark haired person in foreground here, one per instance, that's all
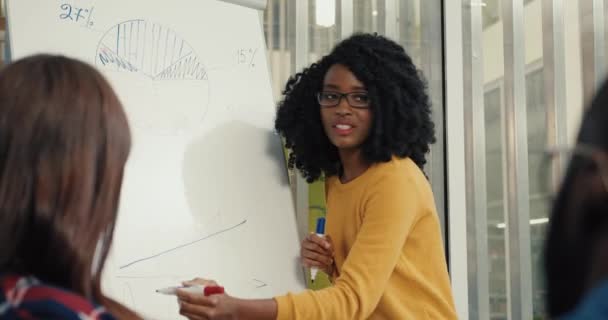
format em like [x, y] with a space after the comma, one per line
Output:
[576, 249]
[64, 141]
[360, 117]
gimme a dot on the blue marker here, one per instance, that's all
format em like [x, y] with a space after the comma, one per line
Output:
[321, 233]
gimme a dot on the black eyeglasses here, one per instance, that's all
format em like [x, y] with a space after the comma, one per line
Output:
[329, 99]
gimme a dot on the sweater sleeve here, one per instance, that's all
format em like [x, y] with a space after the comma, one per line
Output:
[391, 208]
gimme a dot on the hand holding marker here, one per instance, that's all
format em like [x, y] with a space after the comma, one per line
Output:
[206, 290]
[321, 233]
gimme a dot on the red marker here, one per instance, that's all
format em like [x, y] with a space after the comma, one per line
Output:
[206, 290]
[213, 290]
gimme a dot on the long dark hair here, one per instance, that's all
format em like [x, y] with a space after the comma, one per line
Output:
[402, 124]
[576, 249]
[64, 141]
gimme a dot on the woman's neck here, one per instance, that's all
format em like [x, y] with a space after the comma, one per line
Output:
[353, 164]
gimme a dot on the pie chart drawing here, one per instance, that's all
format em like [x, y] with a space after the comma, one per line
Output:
[159, 77]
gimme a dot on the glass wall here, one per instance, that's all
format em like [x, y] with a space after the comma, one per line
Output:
[529, 66]
[280, 39]
[493, 121]
[323, 32]
[370, 16]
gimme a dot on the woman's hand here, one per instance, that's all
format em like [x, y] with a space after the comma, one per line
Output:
[197, 306]
[318, 252]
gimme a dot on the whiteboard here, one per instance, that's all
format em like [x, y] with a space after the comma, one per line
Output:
[206, 190]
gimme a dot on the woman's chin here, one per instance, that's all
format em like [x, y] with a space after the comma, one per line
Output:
[346, 145]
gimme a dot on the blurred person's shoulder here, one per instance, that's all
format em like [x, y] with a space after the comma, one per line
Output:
[594, 305]
[25, 297]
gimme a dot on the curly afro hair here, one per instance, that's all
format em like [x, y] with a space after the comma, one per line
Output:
[401, 126]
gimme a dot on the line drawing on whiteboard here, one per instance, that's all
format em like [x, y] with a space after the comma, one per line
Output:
[159, 76]
[150, 49]
[260, 283]
[183, 245]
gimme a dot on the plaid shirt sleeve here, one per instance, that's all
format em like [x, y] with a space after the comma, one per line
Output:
[27, 298]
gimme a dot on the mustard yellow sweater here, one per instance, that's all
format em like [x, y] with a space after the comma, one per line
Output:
[388, 251]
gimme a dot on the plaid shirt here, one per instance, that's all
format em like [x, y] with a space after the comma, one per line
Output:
[27, 298]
